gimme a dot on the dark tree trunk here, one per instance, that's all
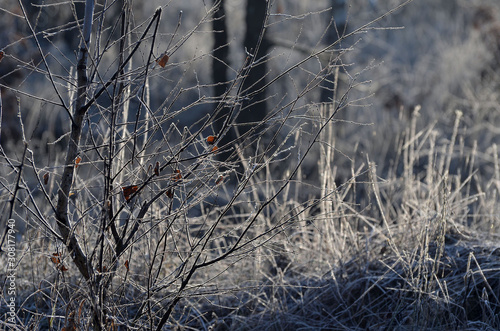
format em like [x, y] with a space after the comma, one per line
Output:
[254, 107]
[221, 51]
[338, 14]
[220, 62]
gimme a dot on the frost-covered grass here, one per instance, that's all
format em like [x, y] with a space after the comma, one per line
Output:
[378, 211]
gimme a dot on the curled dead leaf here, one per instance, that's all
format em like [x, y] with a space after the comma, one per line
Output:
[55, 258]
[157, 168]
[211, 139]
[162, 61]
[177, 175]
[128, 191]
[62, 267]
[170, 193]
[104, 269]
[77, 161]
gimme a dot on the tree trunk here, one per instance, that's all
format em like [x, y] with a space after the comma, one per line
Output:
[220, 62]
[254, 107]
[221, 51]
[338, 15]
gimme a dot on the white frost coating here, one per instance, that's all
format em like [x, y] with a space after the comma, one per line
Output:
[87, 24]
